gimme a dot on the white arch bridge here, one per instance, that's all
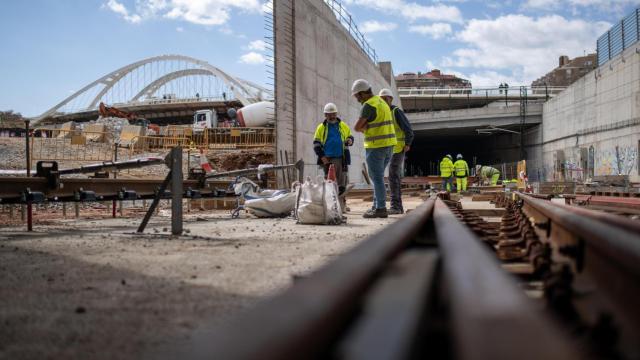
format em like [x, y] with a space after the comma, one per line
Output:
[159, 86]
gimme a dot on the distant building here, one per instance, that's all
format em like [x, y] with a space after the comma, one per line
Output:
[568, 71]
[432, 79]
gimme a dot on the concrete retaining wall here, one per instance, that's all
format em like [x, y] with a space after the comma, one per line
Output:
[316, 62]
[593, 127]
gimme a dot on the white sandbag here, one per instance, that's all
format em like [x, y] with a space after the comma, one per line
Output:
[317, 202]
[278, 205]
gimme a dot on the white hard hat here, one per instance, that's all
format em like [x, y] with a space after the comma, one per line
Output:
[360, 85]
[449, 156]
[385, 92]
[459, 156]
[330, 108]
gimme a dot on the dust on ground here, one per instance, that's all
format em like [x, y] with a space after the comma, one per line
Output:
[91, 288]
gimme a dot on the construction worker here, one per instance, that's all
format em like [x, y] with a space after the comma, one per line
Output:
[376, 122]
[488, 174]
[330, 142]
[461, 171]
[404, 137]
[446, 172]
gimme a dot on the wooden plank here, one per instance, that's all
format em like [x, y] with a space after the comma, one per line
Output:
[394, 309]
[518, 268]
[488, 212]
[483, 197]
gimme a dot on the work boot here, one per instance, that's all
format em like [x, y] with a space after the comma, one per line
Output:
[395, 211]
[377, 213]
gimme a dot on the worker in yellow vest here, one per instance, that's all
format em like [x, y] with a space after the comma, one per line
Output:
[404, 137]
[446, 172]
[488, 174]
[331, 143]
[461, 172]
[376, 122]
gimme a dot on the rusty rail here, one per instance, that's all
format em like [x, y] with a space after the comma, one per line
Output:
[422, 286]
[587, 262]
[12, 188]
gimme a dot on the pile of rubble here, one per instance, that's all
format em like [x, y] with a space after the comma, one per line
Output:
[245, 159]
[12, 152]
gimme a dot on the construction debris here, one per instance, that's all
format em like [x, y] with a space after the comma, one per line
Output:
[233, 160]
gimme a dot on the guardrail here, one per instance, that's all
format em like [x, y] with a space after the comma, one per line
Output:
[510, 92]
[620, 37]
[343, 16]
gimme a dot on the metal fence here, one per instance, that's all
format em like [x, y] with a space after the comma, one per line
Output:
[515, 91]
[216, 138]
[347, 21]
[621, 36]
[71, 146]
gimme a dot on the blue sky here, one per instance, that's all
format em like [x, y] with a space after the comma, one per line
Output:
[53, 47]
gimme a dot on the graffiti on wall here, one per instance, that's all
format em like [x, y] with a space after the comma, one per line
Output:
[620, 160]
[579, 165]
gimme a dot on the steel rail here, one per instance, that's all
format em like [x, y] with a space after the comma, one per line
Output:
[11, 188]
[306, 318]
[367, 303]
[491, 316]
[605, 249]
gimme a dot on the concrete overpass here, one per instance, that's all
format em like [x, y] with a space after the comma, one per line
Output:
[158, 111]
[491, 134]
[468, 121]
[434, 99]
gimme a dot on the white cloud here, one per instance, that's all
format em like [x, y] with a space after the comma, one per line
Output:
[201, 12]
[524, 46]
[257, 45]
[120, 9]
[372, 26]
[436, 31]
[412, 11]
[179, 29]
[252, 58]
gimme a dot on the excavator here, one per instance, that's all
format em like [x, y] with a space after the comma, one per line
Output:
[134, 119]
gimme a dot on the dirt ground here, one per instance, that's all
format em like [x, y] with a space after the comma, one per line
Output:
[91, 288]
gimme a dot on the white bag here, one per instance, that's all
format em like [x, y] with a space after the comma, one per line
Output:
[317, 202]
[279, 205]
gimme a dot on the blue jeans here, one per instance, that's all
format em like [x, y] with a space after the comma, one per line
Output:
[377, 161]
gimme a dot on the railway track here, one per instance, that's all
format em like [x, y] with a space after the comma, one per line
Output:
[436, 284]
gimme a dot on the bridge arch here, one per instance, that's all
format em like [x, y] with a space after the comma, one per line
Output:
[244, 91]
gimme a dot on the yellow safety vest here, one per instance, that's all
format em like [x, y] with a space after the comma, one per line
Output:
[399, 147]
[461, 168]
[321, 132]
[446, 167]
[380, 132]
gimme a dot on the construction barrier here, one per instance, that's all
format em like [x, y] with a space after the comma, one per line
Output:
[70, 145]
[216, 138]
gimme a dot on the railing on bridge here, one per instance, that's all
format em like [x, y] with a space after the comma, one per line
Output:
[510, 92]
[620, 37]
[347, 21]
